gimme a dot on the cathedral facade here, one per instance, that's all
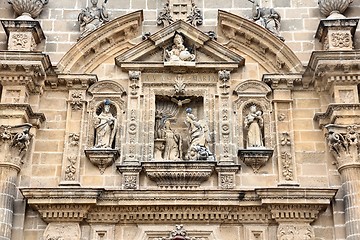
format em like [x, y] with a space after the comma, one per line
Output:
[179, 120]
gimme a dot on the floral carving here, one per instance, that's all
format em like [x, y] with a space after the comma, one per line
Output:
[76, 103]
[295, 232]
[130, 181]
[28, 9]
[74, 139]
[19, 41]
[71, 169]
[341, 39]
[287, 171]
[227, 181]
[134, 77]
[179, 87]
[285, 139]
[224, 77]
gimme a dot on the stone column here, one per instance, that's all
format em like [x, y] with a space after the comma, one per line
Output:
[14, 144]
[343, 142]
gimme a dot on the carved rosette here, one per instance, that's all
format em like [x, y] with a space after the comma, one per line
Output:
[102, 158]
[170, 174]
[28, 9]
[14, 144]
[333, 8]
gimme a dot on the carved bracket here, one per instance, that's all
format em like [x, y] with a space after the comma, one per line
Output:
[102, 158]
[184, 174]
[255, 158]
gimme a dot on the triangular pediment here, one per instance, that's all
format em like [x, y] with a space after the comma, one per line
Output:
[207, 52]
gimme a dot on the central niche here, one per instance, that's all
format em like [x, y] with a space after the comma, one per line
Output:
[180, 133]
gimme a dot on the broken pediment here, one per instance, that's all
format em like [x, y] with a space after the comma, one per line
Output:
[179, 45]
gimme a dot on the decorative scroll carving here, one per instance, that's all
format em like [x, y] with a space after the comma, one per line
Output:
[296, 231]
[178, 51]
[268, 18]
[14, 142]
[92, 18]
[28, 9]
[195, 17]
[341, 40]
[343, 142]
[165, 17]
[134, 77]
[179, 234]
[179, 87]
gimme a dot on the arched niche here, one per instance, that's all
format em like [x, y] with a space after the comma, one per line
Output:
[105, 42]
[99, 92]
[249, 39]
[249, 93]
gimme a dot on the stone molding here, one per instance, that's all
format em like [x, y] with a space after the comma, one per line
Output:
[215, 206]
[179, 174]
[338, 113]
[71, 81]
[22, 111]
[108, 40]
[265, 47]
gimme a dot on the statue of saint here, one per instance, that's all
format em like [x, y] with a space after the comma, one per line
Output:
[105, 127]
[92, 18]
[178, 51]
[173, 143]
[199, 138]
[254, 123]
[267, 18]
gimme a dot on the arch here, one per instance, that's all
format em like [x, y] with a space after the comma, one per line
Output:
[257, 42]
[109, 40]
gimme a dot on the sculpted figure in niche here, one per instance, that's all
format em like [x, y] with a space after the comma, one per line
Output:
[254, 124]
[105, 127]
[267, 18]
[173, 143]
[92, 18]
[199, 138]
[178, 51]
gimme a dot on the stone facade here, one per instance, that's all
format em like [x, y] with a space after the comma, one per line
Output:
[170, 120]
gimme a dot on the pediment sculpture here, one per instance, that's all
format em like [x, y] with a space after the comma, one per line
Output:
[178, 52]
[92, 18]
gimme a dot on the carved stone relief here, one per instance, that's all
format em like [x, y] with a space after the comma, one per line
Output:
[14, 143]
[178, 53]
[185, 10]
[179, 234]
[295, 232]
[92, 18]
[62, 231]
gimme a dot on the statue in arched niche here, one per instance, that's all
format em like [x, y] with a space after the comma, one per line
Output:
[254, 124]
[199, 138]
[105, 127]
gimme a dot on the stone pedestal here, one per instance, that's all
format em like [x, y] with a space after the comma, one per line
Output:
[255, 158]
[102, 158]
[23, 35]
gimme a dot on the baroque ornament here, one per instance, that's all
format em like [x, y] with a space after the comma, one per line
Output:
[28, 9]
[76, 103]
[295, 232]
[178, 234]
[287, 171]
[333, 9]
[341, 40]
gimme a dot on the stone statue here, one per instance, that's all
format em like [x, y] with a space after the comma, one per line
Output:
[267, 18]
[199, 138]
[173, 143]
[92, 18]
[105, 127]
[178, 51]
[254, 123]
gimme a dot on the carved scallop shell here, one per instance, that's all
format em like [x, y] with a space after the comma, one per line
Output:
[28, 7]
[330, 7]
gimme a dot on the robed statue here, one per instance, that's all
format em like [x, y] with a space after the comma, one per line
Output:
[254, 124]
[105, 127]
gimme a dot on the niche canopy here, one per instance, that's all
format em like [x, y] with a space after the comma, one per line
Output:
[179, 45]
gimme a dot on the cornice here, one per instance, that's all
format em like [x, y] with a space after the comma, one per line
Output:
[71, 81]
[34, 118]
[336, 111]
